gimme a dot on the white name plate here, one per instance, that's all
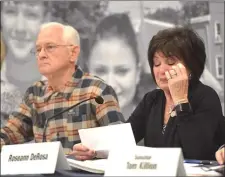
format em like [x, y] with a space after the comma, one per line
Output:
[145, 161]
[33, 158]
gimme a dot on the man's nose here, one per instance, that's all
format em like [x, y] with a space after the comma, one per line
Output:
[42, 53]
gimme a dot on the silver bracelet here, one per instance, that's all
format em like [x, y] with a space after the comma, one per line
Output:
[222, 146]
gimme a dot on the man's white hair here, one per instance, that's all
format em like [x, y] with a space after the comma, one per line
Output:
[70, 34]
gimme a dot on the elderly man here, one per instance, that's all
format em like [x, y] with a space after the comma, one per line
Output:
[57, 50]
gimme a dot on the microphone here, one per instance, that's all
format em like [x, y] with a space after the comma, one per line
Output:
[98, 100]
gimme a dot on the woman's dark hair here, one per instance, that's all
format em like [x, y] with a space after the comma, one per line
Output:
[120, 26]
[183, 43]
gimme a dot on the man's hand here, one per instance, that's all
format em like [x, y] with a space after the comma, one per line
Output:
[82, 153]
[220, 156]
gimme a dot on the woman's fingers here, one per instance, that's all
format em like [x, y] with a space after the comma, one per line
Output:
[168, 77]
[220, 157]
[178, 83]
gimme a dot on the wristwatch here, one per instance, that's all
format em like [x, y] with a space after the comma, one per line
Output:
[183, 109]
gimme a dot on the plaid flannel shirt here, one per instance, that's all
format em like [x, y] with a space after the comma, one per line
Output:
[41, 102]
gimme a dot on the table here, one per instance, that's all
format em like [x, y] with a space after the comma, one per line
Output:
[62, 173]
[75, 173]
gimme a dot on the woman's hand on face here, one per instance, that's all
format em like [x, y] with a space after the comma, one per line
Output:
[82, 153]
[178, 83]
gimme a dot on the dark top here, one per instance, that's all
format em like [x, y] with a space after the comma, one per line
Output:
[199, 133]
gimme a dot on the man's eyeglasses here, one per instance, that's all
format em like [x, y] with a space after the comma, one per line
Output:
[47, 48]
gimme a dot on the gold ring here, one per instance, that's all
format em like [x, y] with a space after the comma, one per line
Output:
[175, 74]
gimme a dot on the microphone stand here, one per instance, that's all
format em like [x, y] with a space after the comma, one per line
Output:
[67, 109]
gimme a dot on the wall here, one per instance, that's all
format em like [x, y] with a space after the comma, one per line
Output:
[20, 24]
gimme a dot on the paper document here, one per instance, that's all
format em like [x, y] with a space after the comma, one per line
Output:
[93, 166]
[103, 139]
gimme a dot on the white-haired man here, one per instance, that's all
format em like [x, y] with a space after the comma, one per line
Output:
[57, 50]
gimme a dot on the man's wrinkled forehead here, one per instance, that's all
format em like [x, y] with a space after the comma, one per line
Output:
[53, 34]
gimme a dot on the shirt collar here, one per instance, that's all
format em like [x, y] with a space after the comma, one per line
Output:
[70, 85]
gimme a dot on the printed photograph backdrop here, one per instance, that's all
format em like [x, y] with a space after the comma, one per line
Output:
[114, 41]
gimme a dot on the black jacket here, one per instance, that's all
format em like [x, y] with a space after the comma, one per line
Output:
[199, 134]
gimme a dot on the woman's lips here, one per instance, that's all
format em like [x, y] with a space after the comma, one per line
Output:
[163, 80]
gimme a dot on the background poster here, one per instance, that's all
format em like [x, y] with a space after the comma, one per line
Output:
[122, 61]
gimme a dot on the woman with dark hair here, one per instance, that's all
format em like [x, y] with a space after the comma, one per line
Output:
[184, 112]
[114, 57]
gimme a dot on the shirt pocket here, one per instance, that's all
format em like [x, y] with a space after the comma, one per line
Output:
[78, 119]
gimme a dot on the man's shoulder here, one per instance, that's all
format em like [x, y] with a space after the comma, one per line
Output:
[92, 80]
[39, 84]
[90, 76]
[36, 87]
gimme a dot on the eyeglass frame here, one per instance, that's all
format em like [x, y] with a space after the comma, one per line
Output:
[33, 51]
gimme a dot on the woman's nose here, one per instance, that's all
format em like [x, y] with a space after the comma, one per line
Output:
[163, 68]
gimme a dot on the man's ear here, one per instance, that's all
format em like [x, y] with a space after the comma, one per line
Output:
[75, 53]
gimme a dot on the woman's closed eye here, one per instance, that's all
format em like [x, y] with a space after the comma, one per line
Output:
[171, 61]
[156, 63]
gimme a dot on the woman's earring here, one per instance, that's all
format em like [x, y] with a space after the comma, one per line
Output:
[190, 76]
